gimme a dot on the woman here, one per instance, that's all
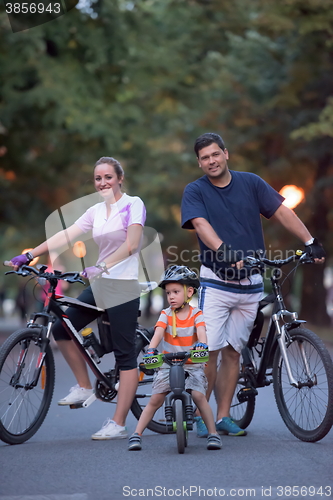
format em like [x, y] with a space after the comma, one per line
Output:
[117, 224]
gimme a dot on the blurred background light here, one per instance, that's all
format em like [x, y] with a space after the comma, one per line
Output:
[293, 195]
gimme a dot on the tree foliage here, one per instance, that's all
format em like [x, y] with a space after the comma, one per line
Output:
[140, 81]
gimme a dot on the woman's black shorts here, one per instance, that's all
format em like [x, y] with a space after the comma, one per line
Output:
[120, 299]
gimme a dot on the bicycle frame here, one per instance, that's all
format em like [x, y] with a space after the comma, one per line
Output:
[52, 305]
[177, 384]
[276, 334]
[44, 320]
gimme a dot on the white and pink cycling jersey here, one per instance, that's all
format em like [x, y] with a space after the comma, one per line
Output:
[110, 233]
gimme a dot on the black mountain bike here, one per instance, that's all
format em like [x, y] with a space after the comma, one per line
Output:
[291, 357]
[27, 370]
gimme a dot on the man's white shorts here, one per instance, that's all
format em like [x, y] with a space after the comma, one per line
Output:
[229, 317]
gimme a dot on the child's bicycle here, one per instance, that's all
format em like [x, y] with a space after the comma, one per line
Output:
[178, 406]
[27, 370]
[291, 357]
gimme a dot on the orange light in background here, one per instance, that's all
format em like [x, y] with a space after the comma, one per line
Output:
[79, 249]
[35, 260]
[293, 195]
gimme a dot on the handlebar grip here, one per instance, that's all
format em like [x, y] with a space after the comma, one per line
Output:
[7, 263]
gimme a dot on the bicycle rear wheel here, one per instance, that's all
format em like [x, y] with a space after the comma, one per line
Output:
[242, 412]
[144, 392]
[307, 410]
[180, 430]
[23, 408]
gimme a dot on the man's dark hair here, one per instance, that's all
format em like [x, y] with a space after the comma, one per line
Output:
[207, 139]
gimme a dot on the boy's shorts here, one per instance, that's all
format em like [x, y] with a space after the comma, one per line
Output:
[196, 379]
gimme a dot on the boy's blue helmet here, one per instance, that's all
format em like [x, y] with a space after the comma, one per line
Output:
[180, 274]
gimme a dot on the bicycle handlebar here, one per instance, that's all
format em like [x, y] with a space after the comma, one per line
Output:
[259, 261]
[28, 270]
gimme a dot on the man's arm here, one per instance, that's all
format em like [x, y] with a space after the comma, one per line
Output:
[206, 233]
[209, 237]
[290, 221]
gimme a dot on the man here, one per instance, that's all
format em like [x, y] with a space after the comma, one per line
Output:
[225, 207]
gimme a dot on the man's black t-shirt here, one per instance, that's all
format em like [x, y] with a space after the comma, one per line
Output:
[234, 213]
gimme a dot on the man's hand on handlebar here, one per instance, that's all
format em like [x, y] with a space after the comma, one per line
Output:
[316, 251]
[226, 254]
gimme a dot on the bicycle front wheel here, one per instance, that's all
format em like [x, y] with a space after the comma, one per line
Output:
[144, 392]
[180, 429]
[23, 406]
[307, 410]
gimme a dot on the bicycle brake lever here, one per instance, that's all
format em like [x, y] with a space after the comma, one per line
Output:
[306, 259]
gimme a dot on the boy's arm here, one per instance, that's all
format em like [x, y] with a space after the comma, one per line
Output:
[157, 337]
[201, 334]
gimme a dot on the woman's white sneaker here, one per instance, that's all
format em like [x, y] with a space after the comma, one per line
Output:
[76, 395]
[111, 430]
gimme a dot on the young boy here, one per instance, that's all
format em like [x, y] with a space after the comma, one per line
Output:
[181, 327]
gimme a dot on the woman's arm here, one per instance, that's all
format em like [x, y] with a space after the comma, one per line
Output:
[157, 337]
[130, 246]
[56, 241]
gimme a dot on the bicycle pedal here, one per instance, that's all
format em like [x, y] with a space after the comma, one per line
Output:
[146, 371]
[246, 393]
[75, 406]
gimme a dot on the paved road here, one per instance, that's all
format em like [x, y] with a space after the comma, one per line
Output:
[61, 462]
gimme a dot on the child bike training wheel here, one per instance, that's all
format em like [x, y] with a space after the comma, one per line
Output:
[24, 398]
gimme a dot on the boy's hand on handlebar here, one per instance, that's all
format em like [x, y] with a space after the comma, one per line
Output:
[91, 272]
[316, 251]
[152, 351]
[200, 345]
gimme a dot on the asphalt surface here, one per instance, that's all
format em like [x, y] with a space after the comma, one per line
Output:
[61, 462]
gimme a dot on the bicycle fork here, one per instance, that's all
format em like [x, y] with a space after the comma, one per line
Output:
[177, 384]
[282, 338]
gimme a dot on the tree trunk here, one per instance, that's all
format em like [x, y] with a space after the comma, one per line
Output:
[313, 308]
[314, 293]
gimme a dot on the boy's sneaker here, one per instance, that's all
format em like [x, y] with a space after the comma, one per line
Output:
[228, 426]
[202, 431]
[214, 442]
[76, 395]
[110, 430]
[134, 442]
